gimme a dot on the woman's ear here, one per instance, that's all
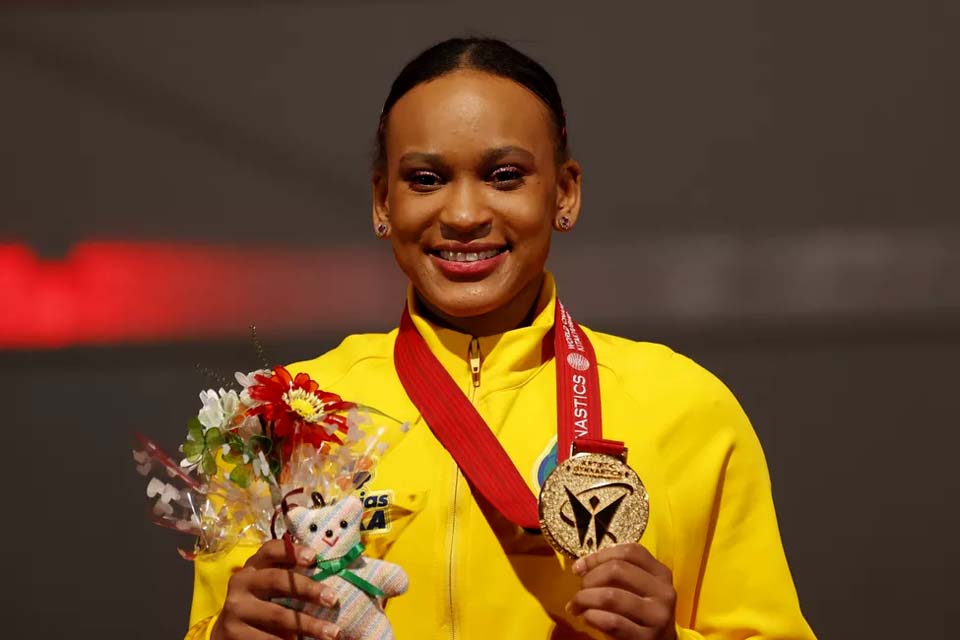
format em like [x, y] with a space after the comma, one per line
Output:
[569, 176]
[381, 210]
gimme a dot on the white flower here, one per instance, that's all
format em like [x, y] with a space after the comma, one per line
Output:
[219, 408]
[246, 381]
[249, 379]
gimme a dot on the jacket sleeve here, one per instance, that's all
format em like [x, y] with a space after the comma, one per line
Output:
[210, 576]
[738, 584]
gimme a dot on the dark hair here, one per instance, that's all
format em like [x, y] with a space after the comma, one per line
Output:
[482, 54]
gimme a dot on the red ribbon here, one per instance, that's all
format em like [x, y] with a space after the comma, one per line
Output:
[458, 426]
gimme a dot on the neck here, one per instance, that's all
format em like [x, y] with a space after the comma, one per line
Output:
[518, 312]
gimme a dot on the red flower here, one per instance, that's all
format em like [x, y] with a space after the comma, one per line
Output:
[297, 409]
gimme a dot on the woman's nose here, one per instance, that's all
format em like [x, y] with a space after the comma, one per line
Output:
[464, 216]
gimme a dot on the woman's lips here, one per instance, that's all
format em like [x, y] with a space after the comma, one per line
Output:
[474, 269]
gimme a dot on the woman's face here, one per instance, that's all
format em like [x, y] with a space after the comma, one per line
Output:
[471, 191]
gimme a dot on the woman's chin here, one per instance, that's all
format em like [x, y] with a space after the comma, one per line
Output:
[465, 299]
[464, 307]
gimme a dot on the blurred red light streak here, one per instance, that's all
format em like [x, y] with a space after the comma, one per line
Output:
[139, 292]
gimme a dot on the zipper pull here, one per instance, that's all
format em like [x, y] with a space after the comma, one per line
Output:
[475, 361]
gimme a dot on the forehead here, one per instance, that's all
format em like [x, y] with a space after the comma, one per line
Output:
[468, 111]
[304, 515]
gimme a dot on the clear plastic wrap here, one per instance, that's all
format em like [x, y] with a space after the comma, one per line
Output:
[248, 448]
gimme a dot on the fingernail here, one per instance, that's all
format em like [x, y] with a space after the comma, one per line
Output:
[328, 598]
[307, 556]
[568, 608]
[580, 567]
[331, 632]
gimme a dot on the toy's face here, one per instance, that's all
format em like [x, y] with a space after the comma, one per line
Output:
[331, 531]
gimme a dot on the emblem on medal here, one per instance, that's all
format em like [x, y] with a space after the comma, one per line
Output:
[592, 501]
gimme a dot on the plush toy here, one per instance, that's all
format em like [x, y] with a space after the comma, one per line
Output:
[362, 584]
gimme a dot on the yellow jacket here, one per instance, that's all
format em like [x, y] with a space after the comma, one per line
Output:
[475, 576]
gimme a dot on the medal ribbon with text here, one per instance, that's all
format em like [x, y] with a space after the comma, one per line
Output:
[462, 431]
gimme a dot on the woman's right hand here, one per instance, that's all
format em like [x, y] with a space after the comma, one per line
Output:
[248, 613]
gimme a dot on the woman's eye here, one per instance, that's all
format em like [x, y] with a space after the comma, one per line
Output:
[343, 524]
[424, 180]
[313, 528]
[506, 177]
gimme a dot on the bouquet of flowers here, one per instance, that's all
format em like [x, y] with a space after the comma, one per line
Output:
[247, 449]
[279, 445]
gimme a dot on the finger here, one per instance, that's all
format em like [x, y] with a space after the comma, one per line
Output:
[643, 611]
[276, 553]
[285, 622]
[616, 626]
[635, 554]
[284, 583]
[629, 577]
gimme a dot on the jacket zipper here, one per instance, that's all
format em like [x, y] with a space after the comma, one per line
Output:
[474, 358]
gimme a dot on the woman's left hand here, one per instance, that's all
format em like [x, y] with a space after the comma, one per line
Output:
[626, 593]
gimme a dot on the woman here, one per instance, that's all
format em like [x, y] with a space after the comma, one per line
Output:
[471, 180]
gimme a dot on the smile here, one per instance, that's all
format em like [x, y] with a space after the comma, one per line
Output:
[468, 265]
[330, 543]
[460, 256]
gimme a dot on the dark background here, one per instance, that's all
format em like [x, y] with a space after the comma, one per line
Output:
[770, 188]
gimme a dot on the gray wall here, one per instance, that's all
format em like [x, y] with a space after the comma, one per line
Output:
[770, 188]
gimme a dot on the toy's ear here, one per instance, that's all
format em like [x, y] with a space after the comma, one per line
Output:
[297, 519]
[285, 508]
[352, 506]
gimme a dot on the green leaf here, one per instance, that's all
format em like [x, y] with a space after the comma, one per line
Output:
[261, 443]
[214, 438]
[235, 441]
[240, 475]
[275, 466]
[209, 463]
[195, 429]
[192, 449]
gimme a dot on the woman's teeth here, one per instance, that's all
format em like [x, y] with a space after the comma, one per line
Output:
[457, 256]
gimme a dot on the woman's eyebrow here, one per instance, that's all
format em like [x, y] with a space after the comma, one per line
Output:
[421, 157]
[493, 155]
[490, 156]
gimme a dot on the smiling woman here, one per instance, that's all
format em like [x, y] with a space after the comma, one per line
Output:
[469, 185]
[503, 390]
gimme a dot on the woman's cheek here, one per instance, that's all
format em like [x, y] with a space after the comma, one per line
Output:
[411, 216]
[531, 227]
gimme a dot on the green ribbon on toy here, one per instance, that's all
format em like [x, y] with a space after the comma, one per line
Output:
[338, 567]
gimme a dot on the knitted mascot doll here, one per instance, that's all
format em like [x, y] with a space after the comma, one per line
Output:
[362, 584]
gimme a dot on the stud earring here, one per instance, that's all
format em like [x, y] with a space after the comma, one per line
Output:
[382, 230]
[564, 223]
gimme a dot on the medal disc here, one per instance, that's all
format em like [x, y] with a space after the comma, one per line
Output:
[592, 501]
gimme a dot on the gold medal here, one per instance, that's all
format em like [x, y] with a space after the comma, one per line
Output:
[592, 501]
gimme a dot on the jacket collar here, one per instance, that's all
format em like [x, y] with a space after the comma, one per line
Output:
[507, 360]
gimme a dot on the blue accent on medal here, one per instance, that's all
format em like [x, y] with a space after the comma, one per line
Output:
[547, 465]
